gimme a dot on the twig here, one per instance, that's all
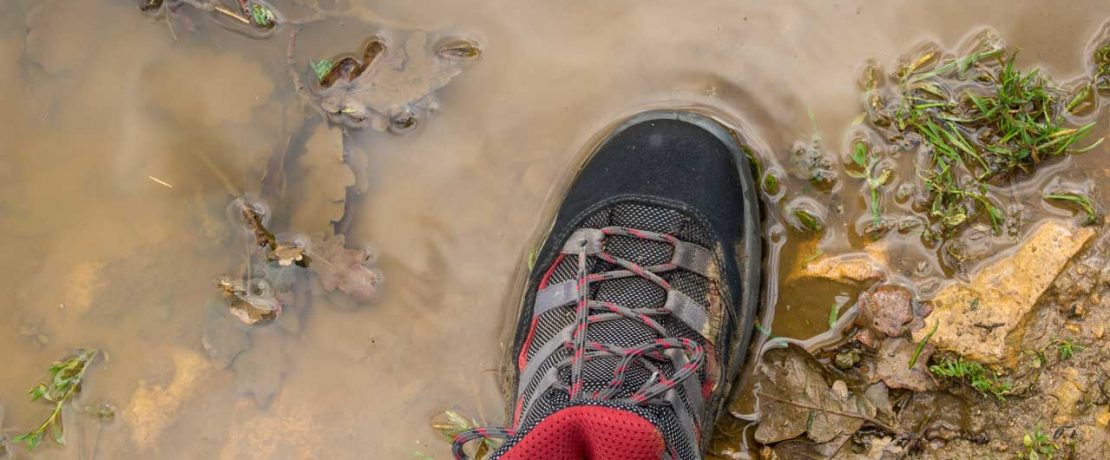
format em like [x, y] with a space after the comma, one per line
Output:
[231, 14]
[169, 23]
[865, 418]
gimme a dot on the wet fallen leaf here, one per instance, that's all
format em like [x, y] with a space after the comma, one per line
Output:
[398, 87]
[343, 269]
[788, 374]
[321, 193]
[287, 255]
[795, 398]
[253, 302]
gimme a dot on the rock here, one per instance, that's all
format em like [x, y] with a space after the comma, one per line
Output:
[852, 268]
[888, 309]
[977, 317]
[224, 338]
[846, 359]
[153, 408]
[1102, 417]
[893, 365]
[1067, 393]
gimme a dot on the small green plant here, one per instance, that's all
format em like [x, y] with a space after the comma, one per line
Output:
[1101, 59]
[1065, 349]
[1038, 445]
[921, 345]
[1008, 123]
[834, 314]
[321, 68]
[981, 379]
[262, 16]
[808, 221]
[771, 185]
[863, 158]
[1083, 202]
[65, 382]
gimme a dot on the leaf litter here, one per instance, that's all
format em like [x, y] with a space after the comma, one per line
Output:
[390, 86]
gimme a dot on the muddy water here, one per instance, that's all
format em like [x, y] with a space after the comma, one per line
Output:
[96, 98]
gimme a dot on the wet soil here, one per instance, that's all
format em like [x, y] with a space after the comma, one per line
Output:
[123, 141]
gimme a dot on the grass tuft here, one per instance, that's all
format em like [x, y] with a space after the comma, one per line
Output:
[981, 379]
[980, 120]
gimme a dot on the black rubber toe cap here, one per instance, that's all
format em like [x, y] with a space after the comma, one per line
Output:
[665, 160]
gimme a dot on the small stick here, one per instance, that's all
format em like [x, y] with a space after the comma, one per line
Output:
[160, 181]
[226, 12]
[835, 412]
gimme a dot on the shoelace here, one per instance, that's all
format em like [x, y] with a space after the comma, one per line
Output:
[582, 350]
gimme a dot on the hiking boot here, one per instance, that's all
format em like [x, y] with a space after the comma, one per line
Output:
[641, 302]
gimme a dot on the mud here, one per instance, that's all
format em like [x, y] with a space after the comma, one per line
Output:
[124, 140]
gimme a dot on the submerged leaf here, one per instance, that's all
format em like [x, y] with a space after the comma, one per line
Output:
[343, 269]
[398, 88]
[320, 197]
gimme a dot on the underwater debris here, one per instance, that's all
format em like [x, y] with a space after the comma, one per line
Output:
[391, 87]
[346, 270]
[65, 381]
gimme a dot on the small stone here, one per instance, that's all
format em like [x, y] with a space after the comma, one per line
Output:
[847, 359]
[888, 309]
[1098, 330]
[866, 338]
[855, 268]
[1067, 393]
[1102, 418]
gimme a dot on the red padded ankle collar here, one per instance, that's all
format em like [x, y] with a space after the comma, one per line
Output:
[590, 433]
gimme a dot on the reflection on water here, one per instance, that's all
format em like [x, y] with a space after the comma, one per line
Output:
[125, 136]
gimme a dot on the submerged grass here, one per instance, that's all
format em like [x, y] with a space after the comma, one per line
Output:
[868, 162]
[1081, 201]
[979, 120]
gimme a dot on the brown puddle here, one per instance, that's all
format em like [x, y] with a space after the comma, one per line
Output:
[123, 142]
